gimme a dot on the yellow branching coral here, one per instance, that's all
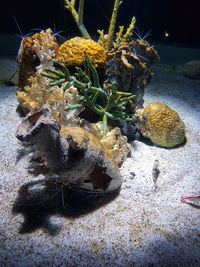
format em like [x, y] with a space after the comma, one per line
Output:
[109, 42]
[72, 52]
[78, 16]
[123, 38]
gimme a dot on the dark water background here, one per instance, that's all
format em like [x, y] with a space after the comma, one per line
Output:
[172, 23]
[180, 19]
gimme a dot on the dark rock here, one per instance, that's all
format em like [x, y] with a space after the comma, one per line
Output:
[192, 69]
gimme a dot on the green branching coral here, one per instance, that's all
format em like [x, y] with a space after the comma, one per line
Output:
[106, 102]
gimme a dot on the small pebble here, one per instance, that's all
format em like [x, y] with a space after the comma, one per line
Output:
[132, 175]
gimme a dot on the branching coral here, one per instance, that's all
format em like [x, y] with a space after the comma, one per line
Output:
[78, 16]
[106, 102]
[123, 38]
[109, 42]
[39, 94]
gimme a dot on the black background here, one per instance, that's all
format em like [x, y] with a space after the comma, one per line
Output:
[178, 18]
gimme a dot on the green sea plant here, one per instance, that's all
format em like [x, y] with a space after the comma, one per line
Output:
[106, 102]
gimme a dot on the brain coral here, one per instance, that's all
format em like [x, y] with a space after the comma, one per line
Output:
[161, 124]
[72, 51]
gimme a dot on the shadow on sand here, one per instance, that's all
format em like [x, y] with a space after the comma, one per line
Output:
[37, 201]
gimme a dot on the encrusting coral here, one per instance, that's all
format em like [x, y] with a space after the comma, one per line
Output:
[161, 124]
[116, 144]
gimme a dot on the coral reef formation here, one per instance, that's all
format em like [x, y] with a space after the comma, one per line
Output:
[161, 124]
[107, 102]
[81, 96]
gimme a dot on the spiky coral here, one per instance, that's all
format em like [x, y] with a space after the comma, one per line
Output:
[122, 36]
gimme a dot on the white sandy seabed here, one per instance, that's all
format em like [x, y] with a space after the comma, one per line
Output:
[142, 226]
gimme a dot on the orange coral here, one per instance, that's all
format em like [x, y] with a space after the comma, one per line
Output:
[72, 52]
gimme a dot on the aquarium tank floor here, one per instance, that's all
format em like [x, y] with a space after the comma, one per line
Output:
[145, 224]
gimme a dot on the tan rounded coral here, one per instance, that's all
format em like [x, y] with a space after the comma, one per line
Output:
[72, 51]
[161, 124]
